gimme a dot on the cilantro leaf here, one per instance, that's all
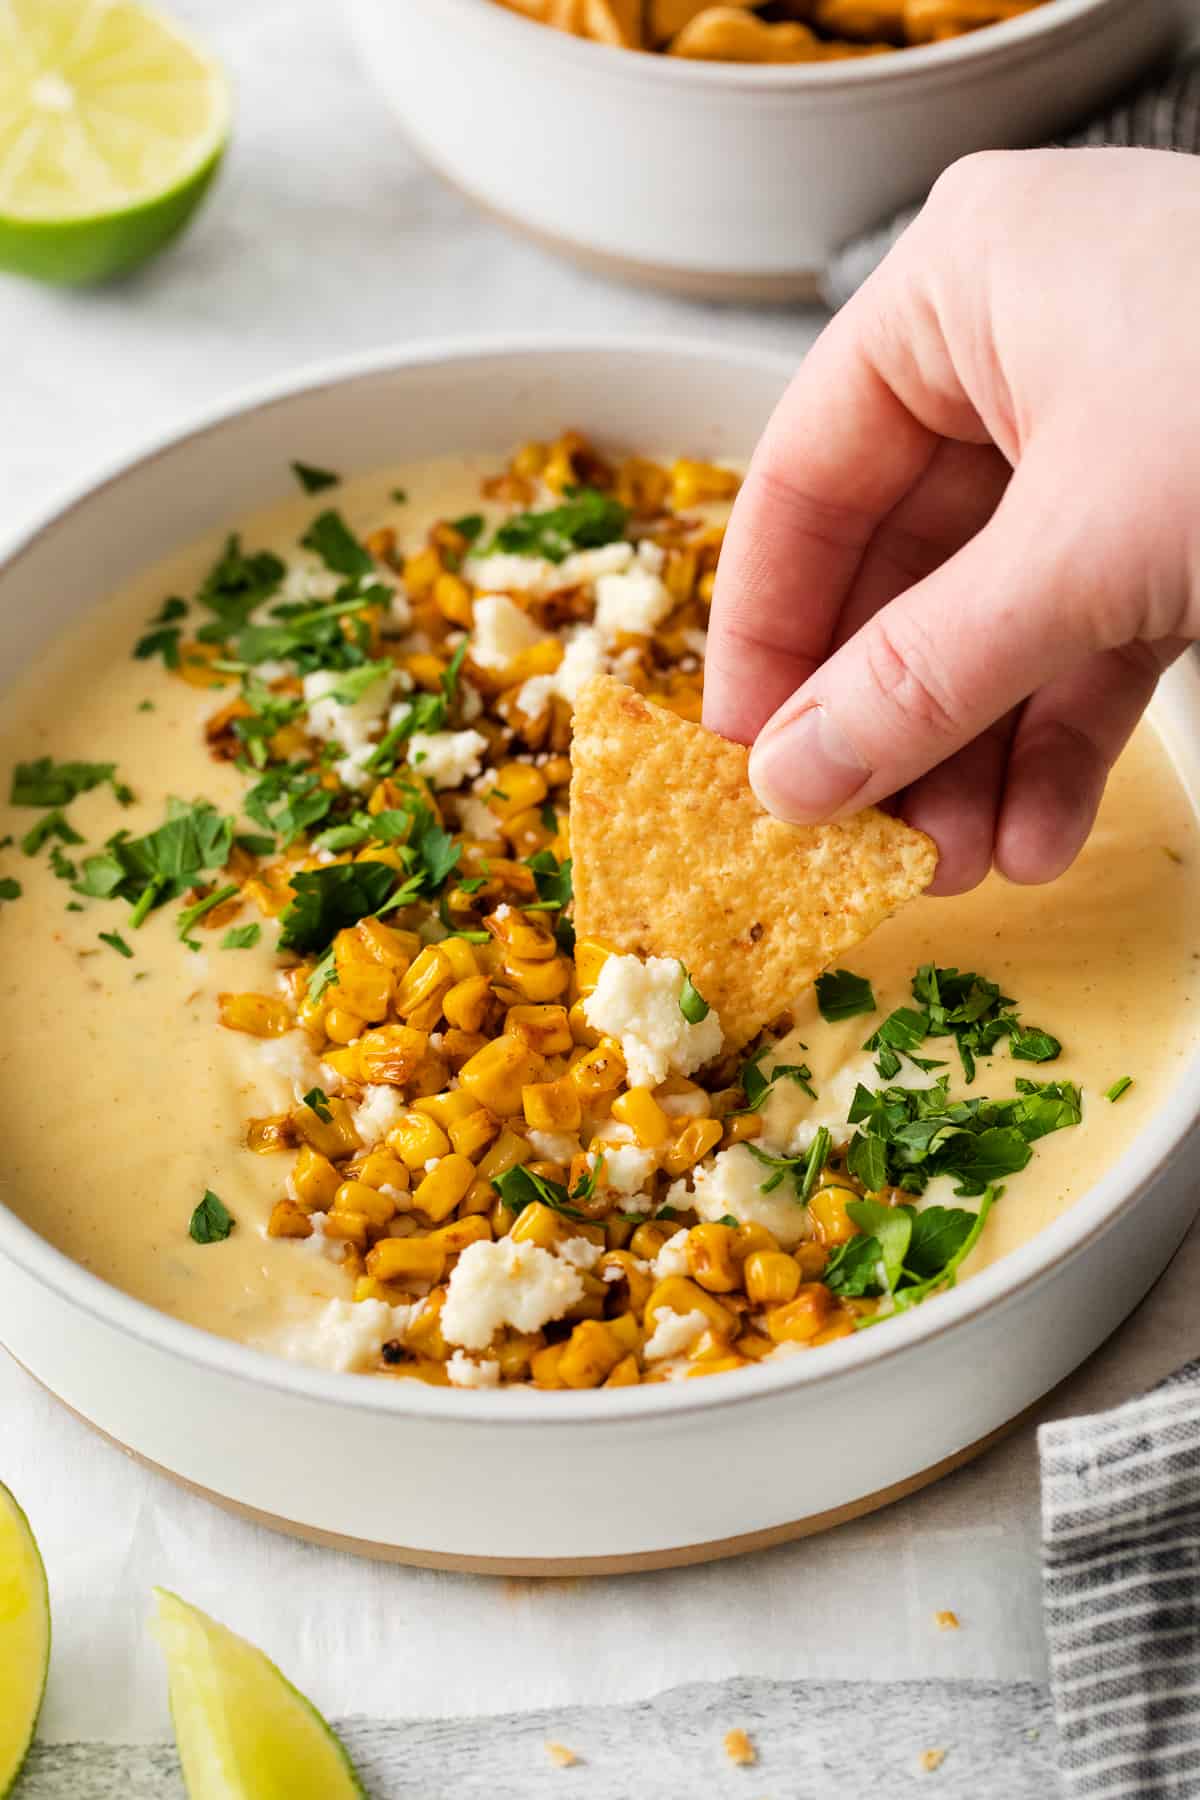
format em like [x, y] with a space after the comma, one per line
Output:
[211, 1222]
[552, 878]
[354, 683]
[585, 520]
[803, 1168]
[116, 941]
[51, 824]
[312, 479]
[197, 910]
[842, 995]
[287, 801]
[235, 586]
[164, 863]
[1029, 1044]
[332, 540]
[47, 783]
[162, 641]
[318, 1101]
[520, 1187]
[891, 1227]
[1118, 1088]
[327, 900]
[469, 526]
[241, 937]
[10, 889]
[757, 1087]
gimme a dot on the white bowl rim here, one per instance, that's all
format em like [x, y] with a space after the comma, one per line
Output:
[1024, 1268]
[1010, 35]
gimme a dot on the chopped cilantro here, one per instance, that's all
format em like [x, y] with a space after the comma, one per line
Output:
[469, 526]
[585, 520]
[149, 870]
[312, 479]
[162, 641]
[323, 976]
[354, 683]
[553, 879]
[47, 783]
[803, 1169]
[10, 889]
[692, 1003]
[904, 1253]
[330, 899]
[211, 1222]
[842, 995]
[520, 1187]
[728, 1219]
[549, 818]
[332, 540]
[234, 587]
[973, 1011]
[52, 824]
[62, 865]
[318, 1100]
[757, 1087]
[1118, 1088]
[197, 910]
[399, 495]
[254, 845]
[145, 706]
[241, 937]
[116, 941]
[287, 801]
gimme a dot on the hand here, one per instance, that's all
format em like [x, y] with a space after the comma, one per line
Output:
[969, 541]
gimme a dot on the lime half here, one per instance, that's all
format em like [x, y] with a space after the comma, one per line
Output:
[112, 124]
[24, 1638]
[244, 1733]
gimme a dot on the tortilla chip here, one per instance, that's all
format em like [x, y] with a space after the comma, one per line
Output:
[674, 856]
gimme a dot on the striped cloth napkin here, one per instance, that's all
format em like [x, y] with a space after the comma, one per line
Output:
[1162, 115]
[1121, 1594]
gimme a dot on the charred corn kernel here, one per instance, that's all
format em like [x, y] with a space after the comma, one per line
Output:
[351, 1228]
[626, 1331]
[641, 485]
[710, 1258]
[496, 1075]
[750, 1237]
[509, 1149]
[382, 942]
[518, 786]
[618, 1231]
[461, 957]
[412, 1258]
[195, 665]
[421, 571]
[590, 1356]
[422, 1368]
[541, 658]
[445, 1108]
[460, 1232]
[392, 1054]
[552, 1106]
[591, 1306]
[383, 1169]
[314, 1179]
[527, 833]
[626, 1373]
[366, 989]
[538, 981]
[419, 995]
[345, 1061]
[524, 935]
[452, 597]
[538, 1224]
[590, 958]
[689, 1145]
[350, 952]
[288, 1220]
[634, 1281]
[261, 1015]
[644, 1116]
[466, 1003]
[753, 1346]
[355, 1197]
[827, 1210]
[334, 1137]
[544, 1028]
[772, 1278]
[424, 1334]
[444, 1186]
[515, 1351]
[367, 1288]
[598, 1071]
[678, 1294]
[430, 1076]
[472, 1135]
[710, 1346]
[544, 1366]
[692, 483]
[417, 1139]
[740, 1127]
[265, 1135]
[810, 1260]
[716, 1365]
[343, 1026]
[649, 1239]
[581, 1031]
[841, 1326]
[802, 1318]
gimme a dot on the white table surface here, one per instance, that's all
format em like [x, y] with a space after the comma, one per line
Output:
[327, 236]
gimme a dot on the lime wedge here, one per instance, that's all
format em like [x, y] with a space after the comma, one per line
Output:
[24, 1638]
[112, 124]
[244, 1733]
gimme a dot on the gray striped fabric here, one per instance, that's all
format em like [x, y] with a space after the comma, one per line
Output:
[1121, 1592]
[1162, 115]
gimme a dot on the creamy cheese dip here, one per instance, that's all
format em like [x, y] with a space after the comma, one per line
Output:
[125, 1101]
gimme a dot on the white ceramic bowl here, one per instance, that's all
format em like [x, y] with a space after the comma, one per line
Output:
[522, 1480]
[721, 179]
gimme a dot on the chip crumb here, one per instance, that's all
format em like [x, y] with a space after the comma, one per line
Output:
[739, 1749]
[946, 1621]
[931, 1760]
[560, 1756]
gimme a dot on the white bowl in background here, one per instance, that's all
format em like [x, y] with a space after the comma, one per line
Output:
[726, 180]
[521, 1480]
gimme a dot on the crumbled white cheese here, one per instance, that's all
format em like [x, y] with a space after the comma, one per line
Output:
[478, 821]
[269, 671]
[584, 566]
[470, 701]
[506, 1283]
[466, 1372]
[638, 1004]
[308, 579]
[507, 574]
[581, 1252]
[626, 1169]
[352, 770]
[636, 601]
[791, 1118]
[673, 1334]
[290, 1057]
[553, 1146]
[349, 725]
[501, 630]
[379, 1109]
[694, 1106]
[535, 694]
[672, 1258]
[651, 556]
[446, 758]
[398, 607]
[732, 1184]
[583, 657]
[342, 1334]
[696, 640]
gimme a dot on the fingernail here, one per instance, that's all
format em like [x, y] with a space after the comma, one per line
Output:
[805, 768]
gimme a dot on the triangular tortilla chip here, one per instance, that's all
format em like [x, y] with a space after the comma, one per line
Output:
[673, 856]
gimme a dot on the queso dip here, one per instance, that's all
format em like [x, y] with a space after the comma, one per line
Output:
[300, 1048]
